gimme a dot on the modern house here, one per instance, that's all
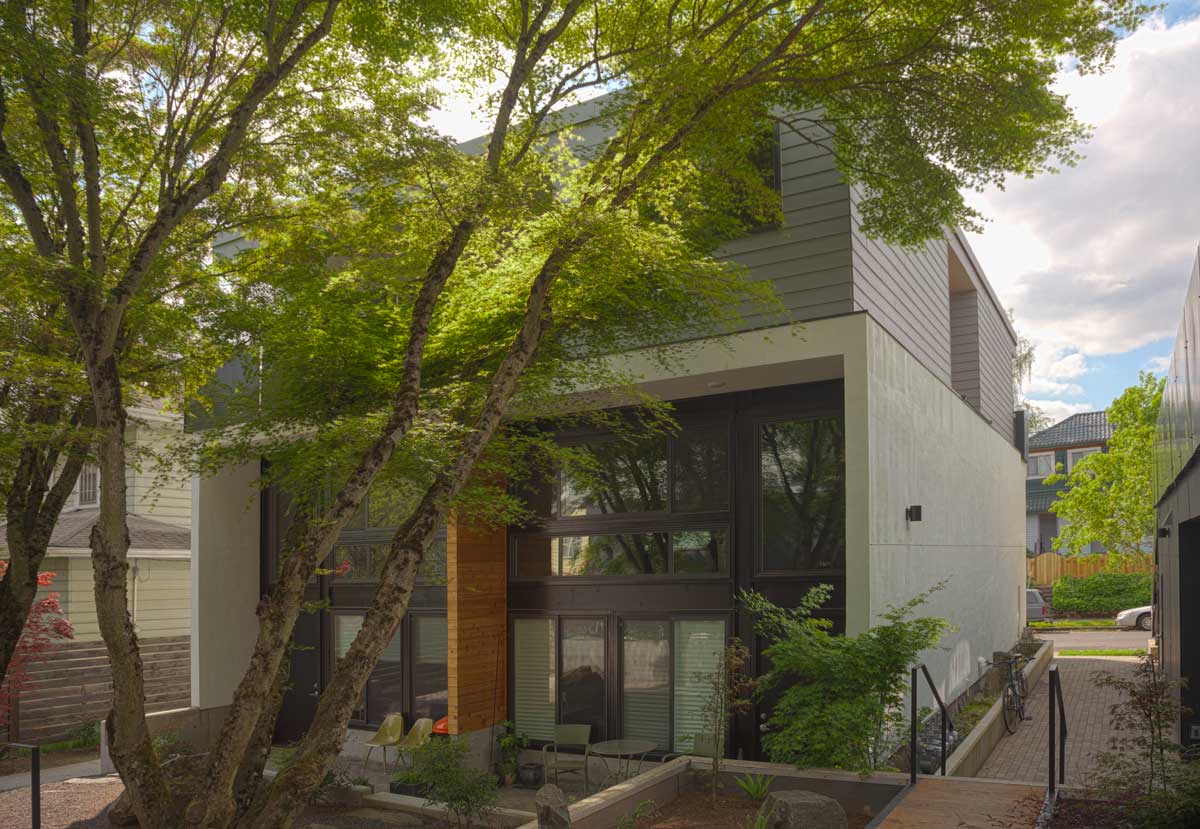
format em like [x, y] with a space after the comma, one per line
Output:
[71, 687]
[864, 439]
[1177, 494]
[1057, 448]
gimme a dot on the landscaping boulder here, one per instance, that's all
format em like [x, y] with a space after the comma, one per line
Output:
[552, 811]
[804, 810]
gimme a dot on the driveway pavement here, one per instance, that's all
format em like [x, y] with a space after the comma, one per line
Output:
[1096, 638]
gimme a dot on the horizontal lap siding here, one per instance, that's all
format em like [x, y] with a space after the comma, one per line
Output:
[995, 368]
[164, 599]
[907, 292]
[964, 345]
[72, 686]
[808, 258]
[164, 494]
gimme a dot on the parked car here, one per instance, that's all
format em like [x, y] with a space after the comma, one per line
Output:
[1036, 609]
[1136, 617]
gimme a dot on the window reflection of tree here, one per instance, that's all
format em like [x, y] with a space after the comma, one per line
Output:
[804, 494]
[621, 554]
[622, 477]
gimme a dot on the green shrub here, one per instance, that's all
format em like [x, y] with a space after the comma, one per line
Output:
[1102, 593]
[440, 765]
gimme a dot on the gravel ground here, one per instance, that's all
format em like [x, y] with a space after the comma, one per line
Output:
[80, 803]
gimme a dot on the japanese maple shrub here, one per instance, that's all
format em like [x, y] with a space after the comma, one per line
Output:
[44, 626]
[838, 701]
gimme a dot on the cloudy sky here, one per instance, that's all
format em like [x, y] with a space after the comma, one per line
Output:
[1095, 260]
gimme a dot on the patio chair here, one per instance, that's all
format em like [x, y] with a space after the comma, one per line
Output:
[555, 762]
[390, 733]
[417, 736]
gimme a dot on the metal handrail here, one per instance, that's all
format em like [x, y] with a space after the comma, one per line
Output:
[35, 780]
[1058, 737]
[912, 737]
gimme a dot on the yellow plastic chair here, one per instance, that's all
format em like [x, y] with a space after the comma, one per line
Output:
[390, 733]
[416, 737]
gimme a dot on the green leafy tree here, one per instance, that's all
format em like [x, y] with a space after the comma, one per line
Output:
[1109, 496]
[838, 700]
[407, 301]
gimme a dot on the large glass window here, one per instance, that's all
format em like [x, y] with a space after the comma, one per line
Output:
[1040, 466]
[700, 551]
[698, 647]
[701, 470]
[803, 494]
[345, 628]
[429, 680]
[683, 553]
[612, 477]
[624, 554]
[535, 678]
[385, 686]
[646, 682]
[581, 683]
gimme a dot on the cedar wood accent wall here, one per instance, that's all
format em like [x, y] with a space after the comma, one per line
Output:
[477, 625]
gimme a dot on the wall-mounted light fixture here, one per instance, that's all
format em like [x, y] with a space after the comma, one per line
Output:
[912, 513]
[1164, 532]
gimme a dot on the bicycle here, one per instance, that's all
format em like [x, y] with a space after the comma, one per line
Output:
[1015, 692]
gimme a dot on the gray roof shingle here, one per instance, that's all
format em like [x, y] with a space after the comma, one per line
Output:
[1083, 429]
[74, 530]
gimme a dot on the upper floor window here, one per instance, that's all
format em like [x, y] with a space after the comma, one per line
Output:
[1040, 466]
[88, 487]
[1074, 456]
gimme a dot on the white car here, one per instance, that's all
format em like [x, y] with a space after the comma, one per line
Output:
[1136, 617]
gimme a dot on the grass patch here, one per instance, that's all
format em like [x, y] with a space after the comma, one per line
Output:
[1071, 624]
[970, 714]
[1102, 652]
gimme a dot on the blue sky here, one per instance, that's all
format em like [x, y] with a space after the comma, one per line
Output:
[1095, 261]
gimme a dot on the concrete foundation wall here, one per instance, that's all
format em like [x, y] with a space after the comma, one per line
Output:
[225, 581]
[928, 448]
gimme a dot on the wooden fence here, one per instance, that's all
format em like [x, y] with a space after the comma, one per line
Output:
[1049, 567]
[72, 687]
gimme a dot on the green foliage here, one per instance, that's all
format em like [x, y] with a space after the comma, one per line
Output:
[1109, 497]
[630, 820]
[1102, 592]
[731, 691]
[509, 745]
[440, 766]
[762, 818]
[838, 699]
[1102, 652]
[1145, 766]
[756, 786]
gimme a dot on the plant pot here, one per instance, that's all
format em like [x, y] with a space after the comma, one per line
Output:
[530, 774]
[508, 777]
[408, 789]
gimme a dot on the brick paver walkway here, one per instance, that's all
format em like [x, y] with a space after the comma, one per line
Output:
[1023, 756]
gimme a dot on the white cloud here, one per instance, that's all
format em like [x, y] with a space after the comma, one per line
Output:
[1095, 260]
[1160, 364]
[1041, 385]
[1058, 410]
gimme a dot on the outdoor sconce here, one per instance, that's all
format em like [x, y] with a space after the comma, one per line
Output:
[912, 513]
[1164, 532]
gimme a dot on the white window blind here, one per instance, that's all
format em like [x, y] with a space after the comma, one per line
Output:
[534, 678]
[698, 647]
[646, 698]
[1040, 466]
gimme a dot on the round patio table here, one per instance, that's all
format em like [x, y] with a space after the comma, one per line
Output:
[624, 751]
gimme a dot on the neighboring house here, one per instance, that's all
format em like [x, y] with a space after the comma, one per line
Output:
[159, 524]
[1058, 447]
[1177, 495]
[865, 439]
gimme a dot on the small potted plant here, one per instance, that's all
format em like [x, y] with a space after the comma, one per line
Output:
[408, 782]
[509, 745]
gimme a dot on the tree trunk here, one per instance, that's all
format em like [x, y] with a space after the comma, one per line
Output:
[130, 746]
[292, 789]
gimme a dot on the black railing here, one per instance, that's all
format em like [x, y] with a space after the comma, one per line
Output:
[35, 781]
[947, 725]
[1058, 735]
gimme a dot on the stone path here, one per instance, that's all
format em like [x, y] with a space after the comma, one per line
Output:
[1024, 756]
